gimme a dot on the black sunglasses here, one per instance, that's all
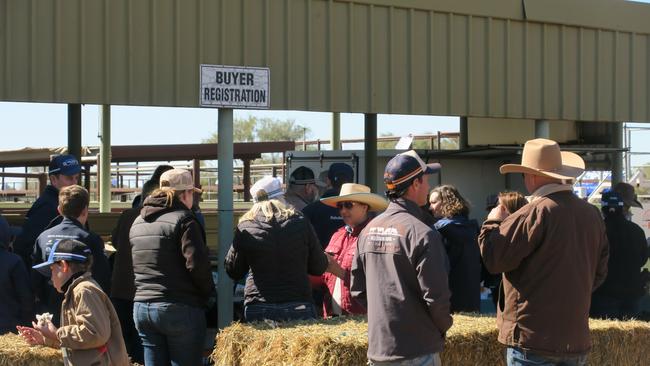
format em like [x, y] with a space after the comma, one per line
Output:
[346, 204]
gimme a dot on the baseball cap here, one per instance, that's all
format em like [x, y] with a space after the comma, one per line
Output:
[626, 191]
[266, 189]
[66, 249]
[340, 172]
[302, 175]
[404, 167]
[611, 199]
[178, 180]
[64, 164]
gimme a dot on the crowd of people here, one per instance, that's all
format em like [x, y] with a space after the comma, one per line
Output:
[325, 247]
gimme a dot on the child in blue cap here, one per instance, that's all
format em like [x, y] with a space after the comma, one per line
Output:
[90, 332]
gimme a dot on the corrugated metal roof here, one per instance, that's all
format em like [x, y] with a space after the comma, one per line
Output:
[575, 60]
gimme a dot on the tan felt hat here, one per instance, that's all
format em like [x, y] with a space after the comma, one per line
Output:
[543, 157]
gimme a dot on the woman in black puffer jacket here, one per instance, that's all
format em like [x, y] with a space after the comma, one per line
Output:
[278, 249]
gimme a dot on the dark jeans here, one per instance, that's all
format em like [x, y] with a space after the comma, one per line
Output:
[279, 311]
[519, 357]
[124, 310]
[171, 333]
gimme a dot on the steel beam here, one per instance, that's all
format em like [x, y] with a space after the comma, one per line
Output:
[370, 147]
[105, 160]
[74, 130]
[225, 210]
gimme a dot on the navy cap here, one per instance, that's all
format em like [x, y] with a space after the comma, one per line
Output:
[302, 175]
[66, 249]
[340, 173]
[64, 164]
[404, 167]
[611, 199]
[7, 232]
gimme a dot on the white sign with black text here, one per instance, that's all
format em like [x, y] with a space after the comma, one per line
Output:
[235, 87]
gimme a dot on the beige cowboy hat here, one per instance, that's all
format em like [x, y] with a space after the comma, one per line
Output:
[543, 157]
[357, 193]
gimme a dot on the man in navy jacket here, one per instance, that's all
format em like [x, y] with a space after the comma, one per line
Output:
[63, 171]
[73, 206]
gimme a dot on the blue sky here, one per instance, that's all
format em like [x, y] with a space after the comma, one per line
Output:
[39, 125]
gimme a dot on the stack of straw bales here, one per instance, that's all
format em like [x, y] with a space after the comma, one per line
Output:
[15, 352]
[472, 340]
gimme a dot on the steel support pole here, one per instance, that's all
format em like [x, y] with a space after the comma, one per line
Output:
[247, 180]
[74, 130]
[542, 129]
[105, 160]
[370, 147]
[225, 211]
[617, 157]
[462, 136]
[336, 131]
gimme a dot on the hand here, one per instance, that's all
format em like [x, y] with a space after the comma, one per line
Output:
[32, 336]
[499, 213]
[47, 330]
[334, 267]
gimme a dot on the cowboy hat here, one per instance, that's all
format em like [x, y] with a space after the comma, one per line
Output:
[543, 157]
[357, 193]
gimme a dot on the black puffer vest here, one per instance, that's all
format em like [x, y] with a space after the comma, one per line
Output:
[158, 263]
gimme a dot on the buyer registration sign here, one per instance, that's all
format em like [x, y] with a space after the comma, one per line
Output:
[235, 87]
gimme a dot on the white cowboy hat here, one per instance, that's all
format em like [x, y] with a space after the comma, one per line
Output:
[357, 193]
[543, 157]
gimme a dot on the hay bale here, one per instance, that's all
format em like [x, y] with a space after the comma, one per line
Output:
[14, 351]
[472, 340]
[619, 342]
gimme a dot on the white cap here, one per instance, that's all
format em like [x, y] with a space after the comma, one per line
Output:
[266, 188]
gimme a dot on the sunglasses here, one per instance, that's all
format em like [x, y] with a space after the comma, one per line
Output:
[346, 204]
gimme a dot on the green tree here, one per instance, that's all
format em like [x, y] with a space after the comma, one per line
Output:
[255, 129]
[243, 131]
[269, 129]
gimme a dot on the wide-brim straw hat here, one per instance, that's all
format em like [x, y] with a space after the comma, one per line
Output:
[543, 157]
[357, 193]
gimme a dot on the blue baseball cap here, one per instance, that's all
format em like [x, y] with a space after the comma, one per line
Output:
[403, 168]
[64, 164]
[611, 199]
[67, 250]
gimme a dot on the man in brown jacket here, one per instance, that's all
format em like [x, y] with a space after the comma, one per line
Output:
[400, 271]
[553, 253]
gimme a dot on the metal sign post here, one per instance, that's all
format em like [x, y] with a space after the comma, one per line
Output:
[228, 88]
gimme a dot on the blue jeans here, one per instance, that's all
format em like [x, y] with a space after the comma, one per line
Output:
[171, 333]
[280, 311]
[432, 359]
[519, 357]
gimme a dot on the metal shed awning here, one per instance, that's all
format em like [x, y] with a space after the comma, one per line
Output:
[143, 153]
